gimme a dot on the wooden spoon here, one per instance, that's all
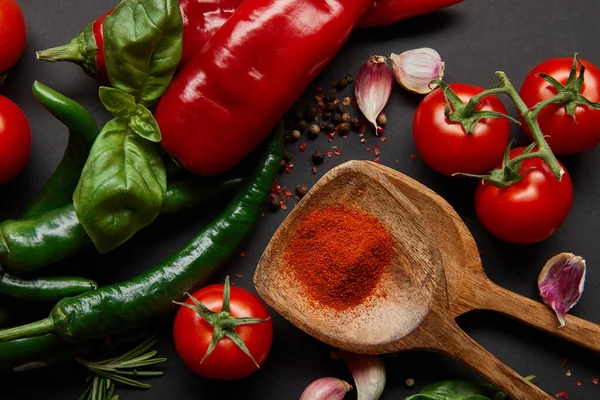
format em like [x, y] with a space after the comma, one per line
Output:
[469, 288]
[414, 314]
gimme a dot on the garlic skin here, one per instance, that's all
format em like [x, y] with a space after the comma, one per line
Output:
[369, 374]
[561, 283]
[373, 87]
[415, 69]
[326, 389]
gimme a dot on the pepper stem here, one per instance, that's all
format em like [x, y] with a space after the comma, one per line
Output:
[38, 328]
[68, 52]
[223, 323]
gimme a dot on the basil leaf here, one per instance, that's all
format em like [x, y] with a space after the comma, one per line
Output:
[122, 186]
[143, 44]
[454, 390]
[143, 123]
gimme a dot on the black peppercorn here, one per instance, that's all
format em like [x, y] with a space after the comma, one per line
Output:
[301, 190]
[327, 116]
[349, 78]
[330, 127]
[342, 84]
[299, 114]
[329, 98]
[311, 113]
[337, 118]
[282, 166]
[318, 156]
[323, 125]
[287, 156]
[274, 203]
[314, 131]
[355, 124]
[330, 107]
[302, 125]
[344, 127]
[340, 108]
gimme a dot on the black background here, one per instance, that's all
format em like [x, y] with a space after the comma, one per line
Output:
[475, 39]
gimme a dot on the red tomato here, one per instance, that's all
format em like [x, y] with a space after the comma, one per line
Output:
[15, 140]
[563, 134]
[192, 335]
[12, 34]
[528, 211]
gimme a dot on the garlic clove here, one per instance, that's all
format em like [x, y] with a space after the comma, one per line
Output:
[373, 87]
[415, 69]
[326, 389]
[561, 283]
[368, 373]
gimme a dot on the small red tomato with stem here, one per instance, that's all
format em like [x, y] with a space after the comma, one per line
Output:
[223, 332]
[12, 34]
[530, 209]
[15, 140]
[572, 123]
[453, 135]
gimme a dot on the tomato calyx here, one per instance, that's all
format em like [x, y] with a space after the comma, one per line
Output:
[3, 78]
[222, 322]
[568, 94]
[465, 114]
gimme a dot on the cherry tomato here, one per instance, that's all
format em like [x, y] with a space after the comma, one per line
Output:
[15, 140]
[563, 134]
[193, 335]
[528, 211]
[445, 146]
[12, 34]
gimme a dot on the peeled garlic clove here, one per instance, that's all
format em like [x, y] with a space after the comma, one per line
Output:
[561, 283]
[368, 373]
[373, 88]
[326, 389]
[415, 69]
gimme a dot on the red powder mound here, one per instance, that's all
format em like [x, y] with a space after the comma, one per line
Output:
[339, 256]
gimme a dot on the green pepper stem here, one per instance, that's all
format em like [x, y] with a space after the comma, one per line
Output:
[67, 52]
[38, 328]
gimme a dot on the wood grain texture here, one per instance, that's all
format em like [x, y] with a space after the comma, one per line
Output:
[415, 314]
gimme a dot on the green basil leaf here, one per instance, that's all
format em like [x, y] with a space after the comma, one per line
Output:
[143, 44]
[143, 123]
[116, 102]
[122, 186]
[454, 390]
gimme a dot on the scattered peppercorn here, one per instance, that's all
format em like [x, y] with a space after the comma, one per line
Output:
[336, 119]
[327, 116]
[318, 156]
[340, 108]
[314, 131]
[355, 124]
[346, 117]
[311, 113]
[349, 78]
[287, 156]
[330, 127]
[296, 134]
[382, 119]
[299, 114]
[331, 107]
[329, 98]
[302, 125]
[274, 203]
[410, 382]
[346, 101]
[301, 190]
[323, 125]
[282, 166]
[342, 84]
[344, 128]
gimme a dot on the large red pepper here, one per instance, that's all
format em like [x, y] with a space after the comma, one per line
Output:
[386, 12]
[202, 18]
[229, 96]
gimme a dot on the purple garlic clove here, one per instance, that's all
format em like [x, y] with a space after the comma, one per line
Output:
[561, 283]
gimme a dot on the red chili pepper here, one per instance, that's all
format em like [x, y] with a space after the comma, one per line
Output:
[250, 72]
[100, 59]
[386, 12]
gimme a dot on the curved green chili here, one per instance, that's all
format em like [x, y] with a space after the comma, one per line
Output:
[58, 190]
[29, 244]
[135, 302]
[43, 289]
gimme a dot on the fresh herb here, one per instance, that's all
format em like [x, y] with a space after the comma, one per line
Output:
[460, 390]
[119, 370]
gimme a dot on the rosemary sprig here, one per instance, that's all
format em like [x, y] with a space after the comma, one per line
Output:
[106, 373]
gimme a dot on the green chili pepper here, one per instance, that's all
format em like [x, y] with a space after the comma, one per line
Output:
[43, 289]
[32, 243]
[58, 190]
[136, 302]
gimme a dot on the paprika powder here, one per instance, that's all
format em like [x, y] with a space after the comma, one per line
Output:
[339, 256]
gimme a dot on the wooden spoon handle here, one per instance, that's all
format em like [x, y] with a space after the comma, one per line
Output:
[461, 347]
[535, 314]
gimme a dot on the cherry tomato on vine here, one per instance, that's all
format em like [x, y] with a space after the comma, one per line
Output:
[194, 329]
[15, 140]
[12, 34]
[528, 211]
[446, 147]
[564, 134]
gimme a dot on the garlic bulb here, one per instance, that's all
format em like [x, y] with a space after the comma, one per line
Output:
[415, 69]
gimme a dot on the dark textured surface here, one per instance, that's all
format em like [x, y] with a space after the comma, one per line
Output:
[475, 39]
